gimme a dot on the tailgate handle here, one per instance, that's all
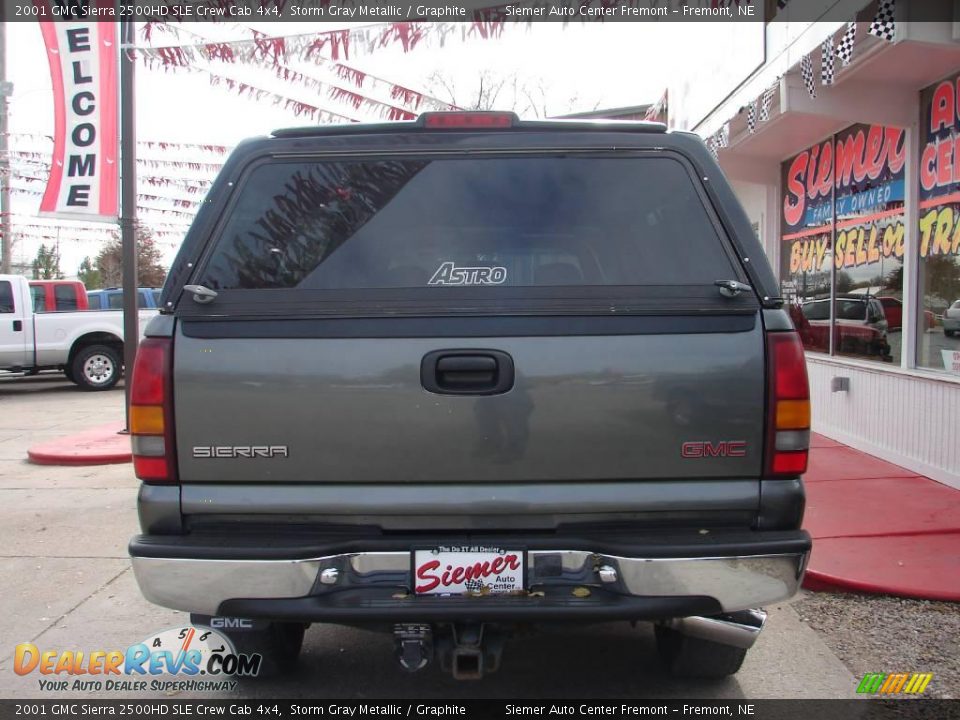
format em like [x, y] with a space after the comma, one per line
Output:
[467, 372]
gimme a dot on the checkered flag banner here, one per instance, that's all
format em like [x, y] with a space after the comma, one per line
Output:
[826, 62]
[725, 135]
[845, 48]
[806, 71]
[884, 26]
[712, 147]
[767, 100]
[752, 116]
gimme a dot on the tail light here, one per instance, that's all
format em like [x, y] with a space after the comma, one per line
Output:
[788, 421]
[467, 120]
[151, 412]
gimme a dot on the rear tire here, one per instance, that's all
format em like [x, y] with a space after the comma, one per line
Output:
[687, 656]
[96, 367]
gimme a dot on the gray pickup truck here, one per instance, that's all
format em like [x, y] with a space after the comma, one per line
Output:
[453, 376]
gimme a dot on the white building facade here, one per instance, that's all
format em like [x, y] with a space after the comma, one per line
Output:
[854, 189]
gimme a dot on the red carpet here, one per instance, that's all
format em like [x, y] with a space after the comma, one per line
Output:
[879, 528]
[102, 445]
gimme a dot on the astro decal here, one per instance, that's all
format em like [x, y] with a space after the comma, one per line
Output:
[449, 274]
[187, 652]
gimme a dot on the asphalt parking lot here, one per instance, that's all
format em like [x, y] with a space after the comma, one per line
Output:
[68, 585]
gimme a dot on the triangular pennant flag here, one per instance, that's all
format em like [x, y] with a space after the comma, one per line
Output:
[752, 116]
[806, 71]
[767, 100]
[712, 147]
[826, 62]
[845, 48]
[884, 25]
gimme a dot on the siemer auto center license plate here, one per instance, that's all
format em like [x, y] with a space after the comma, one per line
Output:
[458, 570]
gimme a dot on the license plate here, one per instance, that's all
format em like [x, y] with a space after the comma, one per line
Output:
[466, 570]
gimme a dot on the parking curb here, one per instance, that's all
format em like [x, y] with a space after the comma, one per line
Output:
[102, 445]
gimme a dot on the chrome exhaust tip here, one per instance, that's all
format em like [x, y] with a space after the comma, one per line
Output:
[739, 629]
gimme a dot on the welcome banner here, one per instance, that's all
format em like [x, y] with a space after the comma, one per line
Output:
[83, 69]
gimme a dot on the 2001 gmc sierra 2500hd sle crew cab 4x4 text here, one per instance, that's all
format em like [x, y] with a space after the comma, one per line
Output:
[451, 376]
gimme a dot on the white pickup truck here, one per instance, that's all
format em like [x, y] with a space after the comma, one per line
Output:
[86, 346]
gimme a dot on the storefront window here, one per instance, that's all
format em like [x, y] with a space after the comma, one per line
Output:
[853, 183]
[938, 342]
[806, 231]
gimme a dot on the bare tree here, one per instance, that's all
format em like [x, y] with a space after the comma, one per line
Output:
[150, 271]
[532, 97]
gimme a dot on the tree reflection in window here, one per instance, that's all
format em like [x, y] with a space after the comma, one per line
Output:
[276, 239]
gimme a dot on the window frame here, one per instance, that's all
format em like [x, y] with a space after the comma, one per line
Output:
[582, 299]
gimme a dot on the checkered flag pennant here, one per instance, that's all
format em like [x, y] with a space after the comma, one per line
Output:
[752, 116]
[845, 48]
[826, 62]
[724, 134]
[712, 147]
[767, 100]
[884, 26]
[806, 71]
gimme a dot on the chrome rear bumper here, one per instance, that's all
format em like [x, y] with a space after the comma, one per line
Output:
[203, 585]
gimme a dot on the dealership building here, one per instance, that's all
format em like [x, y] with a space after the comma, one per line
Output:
[844, 147]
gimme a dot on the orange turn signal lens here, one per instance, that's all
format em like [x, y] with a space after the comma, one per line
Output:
[146, 419]
[793, 414]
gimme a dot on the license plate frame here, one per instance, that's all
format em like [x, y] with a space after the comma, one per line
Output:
[445, 560]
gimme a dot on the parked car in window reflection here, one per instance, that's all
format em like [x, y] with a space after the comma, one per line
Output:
[860, 328]
[951, 319]
[893, 310]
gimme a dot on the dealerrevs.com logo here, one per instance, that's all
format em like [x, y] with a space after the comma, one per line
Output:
[198, 658]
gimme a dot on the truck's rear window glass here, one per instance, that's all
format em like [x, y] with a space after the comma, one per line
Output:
[66, 297]
[6, 297]
[38, 294]
[548, 221]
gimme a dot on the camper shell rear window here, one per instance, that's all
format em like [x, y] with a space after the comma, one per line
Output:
[490, 222]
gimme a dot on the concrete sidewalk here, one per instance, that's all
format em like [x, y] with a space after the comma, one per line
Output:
[879, 528]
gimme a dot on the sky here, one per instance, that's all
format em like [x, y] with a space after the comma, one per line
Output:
[576, 67]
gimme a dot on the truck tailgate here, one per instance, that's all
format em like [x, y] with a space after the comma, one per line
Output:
[603, 407]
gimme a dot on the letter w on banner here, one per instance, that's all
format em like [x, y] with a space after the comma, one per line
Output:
[83, 69]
